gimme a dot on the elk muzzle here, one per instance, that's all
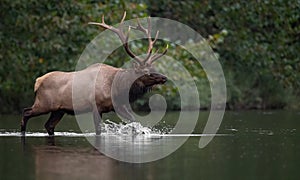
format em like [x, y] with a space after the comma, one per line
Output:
[153, 79]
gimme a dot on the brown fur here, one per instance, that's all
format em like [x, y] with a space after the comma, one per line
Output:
[54, 93]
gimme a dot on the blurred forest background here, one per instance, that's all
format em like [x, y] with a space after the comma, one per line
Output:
[257, 42]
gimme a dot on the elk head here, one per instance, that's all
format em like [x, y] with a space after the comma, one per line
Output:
[142, 67]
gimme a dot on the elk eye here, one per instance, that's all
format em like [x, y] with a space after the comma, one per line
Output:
[146, 71]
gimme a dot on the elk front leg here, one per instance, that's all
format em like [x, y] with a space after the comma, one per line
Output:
[97, 121]
[54, 118]
[125, 113]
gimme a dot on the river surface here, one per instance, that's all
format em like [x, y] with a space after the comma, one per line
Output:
[248, 145]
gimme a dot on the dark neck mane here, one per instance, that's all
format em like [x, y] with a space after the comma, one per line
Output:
[137, 90]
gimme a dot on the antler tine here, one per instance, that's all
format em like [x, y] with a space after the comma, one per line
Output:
[103, 19]
[156, 36]
[156, 56]
[151, 43]
[151, 58]
[124, 39]
[140, 27]
[126, 46]
[122, 22]
[121, 35]
[149, 26]
[148, 34]
[104, 25]
[123, 18]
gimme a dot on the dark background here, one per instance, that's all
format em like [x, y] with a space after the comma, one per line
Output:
[257, 42]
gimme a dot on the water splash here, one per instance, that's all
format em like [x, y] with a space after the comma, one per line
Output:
[108, 128]
[133, 128]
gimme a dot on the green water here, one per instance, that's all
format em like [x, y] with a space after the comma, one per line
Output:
[260, 145]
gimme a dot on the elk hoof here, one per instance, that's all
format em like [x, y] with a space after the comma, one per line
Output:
[23, 133]
[50, 131]
[23, 129]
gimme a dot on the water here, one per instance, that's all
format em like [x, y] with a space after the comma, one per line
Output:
[248, 145]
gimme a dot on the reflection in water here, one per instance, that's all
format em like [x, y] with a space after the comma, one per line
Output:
[261, 146]
[54, 162]
[136, 149]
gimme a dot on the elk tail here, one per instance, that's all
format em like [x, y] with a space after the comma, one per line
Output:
[37, 84]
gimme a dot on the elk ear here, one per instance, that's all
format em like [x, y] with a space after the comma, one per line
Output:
[134, 65]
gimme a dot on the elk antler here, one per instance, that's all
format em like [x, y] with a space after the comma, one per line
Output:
[124, 38]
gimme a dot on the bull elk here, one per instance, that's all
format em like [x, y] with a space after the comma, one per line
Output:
[53, 91]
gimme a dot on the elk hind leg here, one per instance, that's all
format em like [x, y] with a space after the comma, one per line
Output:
[27, 114]
[54, 118]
